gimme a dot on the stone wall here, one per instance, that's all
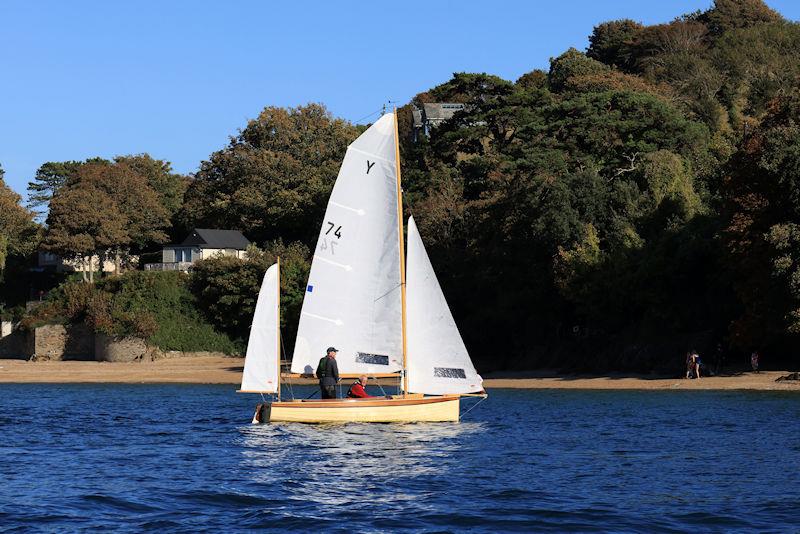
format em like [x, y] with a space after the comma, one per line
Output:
[125, 349]
[79, 342]
[61, 342]
[12, 342]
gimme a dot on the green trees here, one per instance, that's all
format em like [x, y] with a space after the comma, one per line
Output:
[631, 203]
[227, 288]
[273, 177]
[557, 204]
[49, 179]
[155, 306]
[18, 232]
[107, 209]
[762, 197]
[723, 65]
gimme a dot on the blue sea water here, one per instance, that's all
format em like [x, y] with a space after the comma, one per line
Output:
[184, 458]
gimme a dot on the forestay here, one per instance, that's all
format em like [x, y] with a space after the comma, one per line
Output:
[261, 362]
[352, 299]
[438, 362]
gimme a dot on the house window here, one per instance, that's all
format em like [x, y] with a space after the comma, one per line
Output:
[183, 254]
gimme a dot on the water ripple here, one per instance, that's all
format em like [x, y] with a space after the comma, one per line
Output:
[183, 459]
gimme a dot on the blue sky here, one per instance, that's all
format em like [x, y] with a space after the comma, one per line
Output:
[176, 79]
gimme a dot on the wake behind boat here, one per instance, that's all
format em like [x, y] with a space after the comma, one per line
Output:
[357, 298]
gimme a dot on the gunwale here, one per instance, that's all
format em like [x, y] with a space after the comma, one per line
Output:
[363, 403]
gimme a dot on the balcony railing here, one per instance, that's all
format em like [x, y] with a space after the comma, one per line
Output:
[184, 266]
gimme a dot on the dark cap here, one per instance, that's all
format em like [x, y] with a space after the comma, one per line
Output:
[331, 349]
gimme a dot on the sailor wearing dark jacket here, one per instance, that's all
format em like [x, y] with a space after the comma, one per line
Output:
[328, 374]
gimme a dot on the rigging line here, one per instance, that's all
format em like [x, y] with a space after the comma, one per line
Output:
[380, 386]
[385, 294]
[473, 406]
[367, 116]
[280, 368]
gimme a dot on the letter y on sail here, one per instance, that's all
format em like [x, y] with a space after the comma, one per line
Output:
[355, 304]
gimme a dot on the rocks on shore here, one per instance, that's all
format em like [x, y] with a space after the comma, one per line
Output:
[791, 377]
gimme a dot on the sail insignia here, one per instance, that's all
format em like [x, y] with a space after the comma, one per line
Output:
[377, 359]
[438, 361]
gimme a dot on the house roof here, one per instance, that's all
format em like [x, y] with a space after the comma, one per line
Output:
[212, 238]
[441, 110]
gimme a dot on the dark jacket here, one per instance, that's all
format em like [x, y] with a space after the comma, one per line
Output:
[328, 372]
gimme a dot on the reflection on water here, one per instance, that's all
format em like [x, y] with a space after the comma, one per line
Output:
[184, 459]
[337, 464]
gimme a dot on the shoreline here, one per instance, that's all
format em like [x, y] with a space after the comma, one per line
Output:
[222, 370]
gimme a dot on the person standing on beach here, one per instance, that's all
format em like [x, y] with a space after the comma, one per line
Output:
[328, 374]
[696, 364]
[754, 361]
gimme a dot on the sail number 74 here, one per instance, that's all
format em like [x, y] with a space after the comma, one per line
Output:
[337, 233]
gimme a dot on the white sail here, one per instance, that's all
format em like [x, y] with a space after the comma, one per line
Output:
[438, 362]
[261, 362]
[352, 299]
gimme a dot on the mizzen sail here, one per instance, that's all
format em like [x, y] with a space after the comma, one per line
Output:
[438, 362]
[261, 362]
[352, 299]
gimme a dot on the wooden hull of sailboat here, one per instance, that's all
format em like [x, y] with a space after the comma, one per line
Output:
[375, 410]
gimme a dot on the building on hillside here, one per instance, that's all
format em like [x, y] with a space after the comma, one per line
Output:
[431, 115]
[48, 261]
[200, 244]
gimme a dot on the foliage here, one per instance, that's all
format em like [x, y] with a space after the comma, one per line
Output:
[557, 205]
[227, 288]
[724, 64]
[609, 40]
[109, 209]
[168, 186]
[569, 64]
[763, 213]
[19, 234]
[155, 306]
[50, 177]
[273, 177]
[732, 14]
[607, 214]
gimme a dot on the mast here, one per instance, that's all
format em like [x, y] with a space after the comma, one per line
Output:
[279, 328]
[402, 251]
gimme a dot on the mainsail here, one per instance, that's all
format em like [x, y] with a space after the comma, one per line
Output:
[352, 299]
[261, 362]
[438, 362]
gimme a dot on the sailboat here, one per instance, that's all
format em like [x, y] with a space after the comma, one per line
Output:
[359, 300]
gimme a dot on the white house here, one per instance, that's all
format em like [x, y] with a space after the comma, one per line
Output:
[200, 244]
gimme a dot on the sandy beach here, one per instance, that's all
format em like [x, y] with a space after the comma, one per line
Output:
[219, 370]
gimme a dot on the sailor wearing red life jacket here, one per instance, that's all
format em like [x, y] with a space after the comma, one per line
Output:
[357, 390]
